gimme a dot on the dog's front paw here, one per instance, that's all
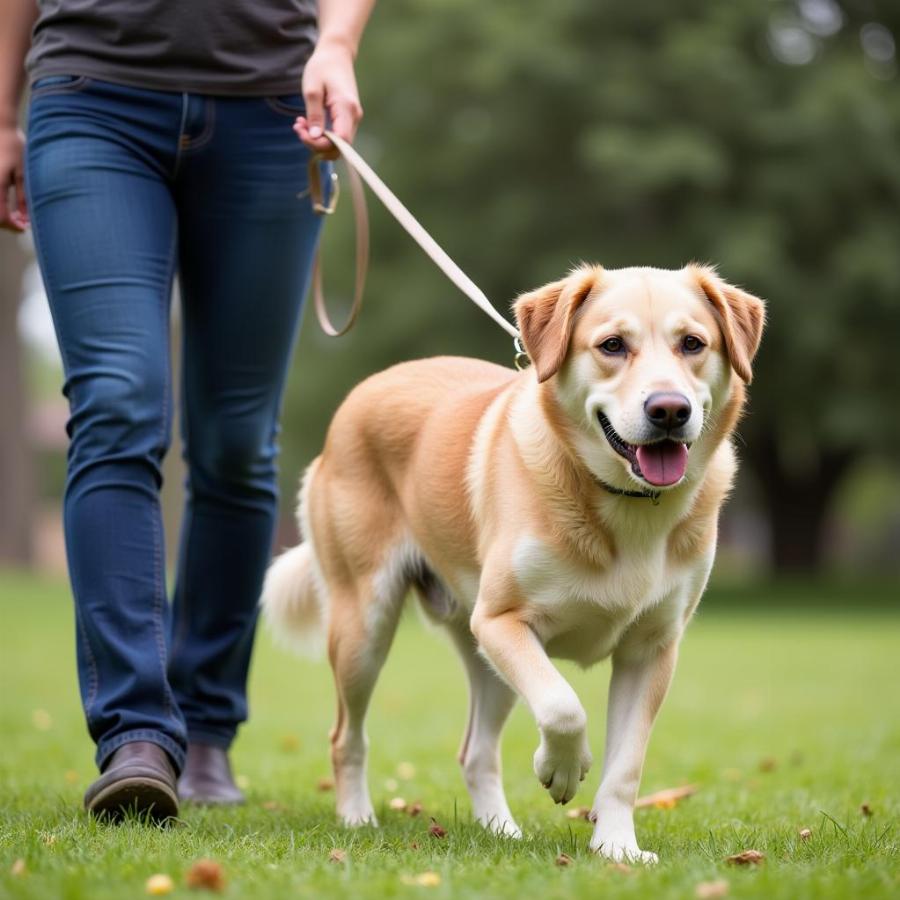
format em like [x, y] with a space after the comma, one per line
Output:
[561, 762]
[622, 849]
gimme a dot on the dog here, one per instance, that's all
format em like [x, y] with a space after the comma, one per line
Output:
[568, 510]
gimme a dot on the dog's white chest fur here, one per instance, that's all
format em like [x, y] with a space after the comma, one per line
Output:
[583, 613]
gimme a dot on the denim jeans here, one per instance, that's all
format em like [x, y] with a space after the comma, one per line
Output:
[127, 186]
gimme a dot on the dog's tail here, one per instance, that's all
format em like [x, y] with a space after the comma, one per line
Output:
[292, 600]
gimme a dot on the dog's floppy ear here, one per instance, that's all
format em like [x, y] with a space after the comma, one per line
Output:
[546, 316]
[741, 317]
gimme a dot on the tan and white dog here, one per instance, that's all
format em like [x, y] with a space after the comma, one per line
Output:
[569, 510]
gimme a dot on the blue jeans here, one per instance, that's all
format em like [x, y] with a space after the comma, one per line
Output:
[127, 186]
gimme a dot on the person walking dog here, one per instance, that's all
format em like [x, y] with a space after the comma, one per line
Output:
[160, 141]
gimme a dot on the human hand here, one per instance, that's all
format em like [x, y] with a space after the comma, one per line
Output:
[13, 208]
[329, 86]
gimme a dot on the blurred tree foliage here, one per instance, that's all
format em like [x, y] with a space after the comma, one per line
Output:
[762, 136]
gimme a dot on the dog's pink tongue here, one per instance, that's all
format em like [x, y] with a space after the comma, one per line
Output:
[663, 463]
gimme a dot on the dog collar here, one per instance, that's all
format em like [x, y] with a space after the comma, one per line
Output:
[652, 496]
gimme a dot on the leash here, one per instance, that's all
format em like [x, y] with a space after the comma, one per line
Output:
[359, 170]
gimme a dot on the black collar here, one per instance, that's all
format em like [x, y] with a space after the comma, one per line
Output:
[653, 496]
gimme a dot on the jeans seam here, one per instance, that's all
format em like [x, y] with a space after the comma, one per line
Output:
[189, 145]
[160, 599]
[94, 683]
[71, 87]
[283, 109]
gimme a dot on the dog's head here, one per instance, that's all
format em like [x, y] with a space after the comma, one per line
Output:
[641, 362]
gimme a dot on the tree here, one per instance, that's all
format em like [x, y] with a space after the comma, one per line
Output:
[15, 466]
[762, 137]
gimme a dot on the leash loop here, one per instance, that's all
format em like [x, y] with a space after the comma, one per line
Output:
[358, 170]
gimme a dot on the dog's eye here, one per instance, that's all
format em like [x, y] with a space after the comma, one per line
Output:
[690, 343]
[614, 346]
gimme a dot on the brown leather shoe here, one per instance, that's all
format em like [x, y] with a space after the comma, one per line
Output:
[207, 778]
[139, 778]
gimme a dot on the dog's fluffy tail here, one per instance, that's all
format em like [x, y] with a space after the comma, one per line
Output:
[291, 603]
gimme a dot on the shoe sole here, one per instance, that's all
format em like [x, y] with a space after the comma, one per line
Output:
[137, 795]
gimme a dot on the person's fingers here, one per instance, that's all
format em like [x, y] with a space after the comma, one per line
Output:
[21, 213]
[6, 220]
[321, 145]
[314, 98]
[346, 115]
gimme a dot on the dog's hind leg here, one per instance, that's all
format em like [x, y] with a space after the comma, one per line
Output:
[490, 702]
[358, 642]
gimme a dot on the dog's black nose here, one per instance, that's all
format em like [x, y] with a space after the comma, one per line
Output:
[667, 409]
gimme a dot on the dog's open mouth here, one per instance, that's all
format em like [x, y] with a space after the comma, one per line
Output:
[660, 463]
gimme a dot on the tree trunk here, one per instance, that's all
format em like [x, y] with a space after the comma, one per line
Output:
[798, 501]
[16, 496]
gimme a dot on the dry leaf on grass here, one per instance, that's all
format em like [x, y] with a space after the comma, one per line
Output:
[337, 855]
[414, 809]
[805, 834]
[18, 869]
[423, 879]
[707, 890]
[205, 875]
[290, 743]
[157, 885]
[667, 798]
[580, 812]
[398, 804]
[768, 764]
[563, 860]
[436, 830]
[624, 868]
[746, 858]
[273, 806]
[72, 777]
[324, 785]
[866, 810]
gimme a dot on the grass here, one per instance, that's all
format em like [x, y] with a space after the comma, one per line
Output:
[786, 719]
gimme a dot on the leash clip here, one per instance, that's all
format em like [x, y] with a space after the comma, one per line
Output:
[315, 188]
[522, 359]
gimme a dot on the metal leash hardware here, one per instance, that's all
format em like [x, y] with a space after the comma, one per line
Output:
[315, 187]
[522, 360]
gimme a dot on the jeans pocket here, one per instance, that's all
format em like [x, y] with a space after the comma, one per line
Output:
[59, 84]
[287, 105]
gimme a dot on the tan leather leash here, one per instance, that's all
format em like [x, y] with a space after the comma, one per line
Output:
[358, 171]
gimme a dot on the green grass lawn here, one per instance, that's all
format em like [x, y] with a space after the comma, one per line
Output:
[786, 719]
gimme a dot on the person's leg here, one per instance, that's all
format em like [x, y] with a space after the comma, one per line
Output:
[246, 247]
[105, 232]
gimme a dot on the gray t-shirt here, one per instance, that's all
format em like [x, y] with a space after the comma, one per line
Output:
[227, 47]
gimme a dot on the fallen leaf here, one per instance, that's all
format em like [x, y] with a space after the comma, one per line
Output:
[667, 796]
[290, 743]
[620, 867]
[580, 812]
[337, 855]
[325, 784]
[406, 771]
[206, 875]
[563, 860]
[768, 764]
[273, 806]
[746, 858]
[42, 720]
[158, 885]
[413, 845]
[72, 777]
[18, 869]
[437, 830]
[414, 809]
[805, 834]
[424, 879]
[865, 809]
[398, 804]
[707, 890]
